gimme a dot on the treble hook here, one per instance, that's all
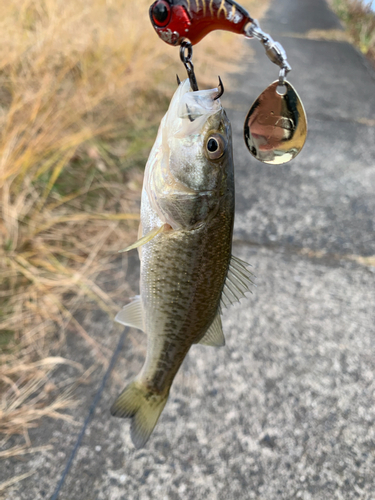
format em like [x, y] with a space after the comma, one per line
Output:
[185, 45]
[221, 90]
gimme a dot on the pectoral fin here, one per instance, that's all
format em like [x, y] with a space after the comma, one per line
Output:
[214, 335]
[237, 283]
[146, 238]
[132, 314]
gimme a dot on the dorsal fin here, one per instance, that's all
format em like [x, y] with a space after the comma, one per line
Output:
[237, 283]
[214, 335]
[132, 314]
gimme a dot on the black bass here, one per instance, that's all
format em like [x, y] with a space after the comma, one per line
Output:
[187, 270]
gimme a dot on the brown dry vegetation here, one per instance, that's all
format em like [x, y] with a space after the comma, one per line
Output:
[359, 21]
[83, 86]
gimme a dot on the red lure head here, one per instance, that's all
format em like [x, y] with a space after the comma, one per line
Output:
[175, 20]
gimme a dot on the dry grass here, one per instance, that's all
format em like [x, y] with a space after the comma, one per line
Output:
[359, 21]
[82, 89]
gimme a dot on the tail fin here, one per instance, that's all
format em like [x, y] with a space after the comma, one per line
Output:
[143, 407]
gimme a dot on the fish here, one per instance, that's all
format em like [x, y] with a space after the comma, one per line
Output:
[176, 20]
[187, 273]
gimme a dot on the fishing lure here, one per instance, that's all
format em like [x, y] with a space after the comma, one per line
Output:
[175, 20]
[275, 127]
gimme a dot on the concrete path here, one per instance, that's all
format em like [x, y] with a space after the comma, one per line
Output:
[287, 409]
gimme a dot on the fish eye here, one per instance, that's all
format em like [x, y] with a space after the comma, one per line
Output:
[212, 145]
[161, 13]
[215, 146]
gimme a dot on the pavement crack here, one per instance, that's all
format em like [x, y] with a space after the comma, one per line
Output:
[324, 255]
[333, 35]
[339, 119]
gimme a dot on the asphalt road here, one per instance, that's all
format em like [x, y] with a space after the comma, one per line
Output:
[287, 409]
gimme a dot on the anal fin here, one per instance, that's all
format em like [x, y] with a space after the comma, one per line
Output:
[131, 314]
[237, 283]
[214, 335]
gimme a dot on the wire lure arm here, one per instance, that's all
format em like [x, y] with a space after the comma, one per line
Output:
[274, 50]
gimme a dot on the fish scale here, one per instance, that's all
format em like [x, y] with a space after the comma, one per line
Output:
[194, 279]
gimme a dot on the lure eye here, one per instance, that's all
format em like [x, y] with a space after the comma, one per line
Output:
[215, 146]
[161, 13]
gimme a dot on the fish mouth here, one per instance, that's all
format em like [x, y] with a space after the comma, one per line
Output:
[199, 103]
[189, 110]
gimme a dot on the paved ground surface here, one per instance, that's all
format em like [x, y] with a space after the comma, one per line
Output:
[287, 409]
